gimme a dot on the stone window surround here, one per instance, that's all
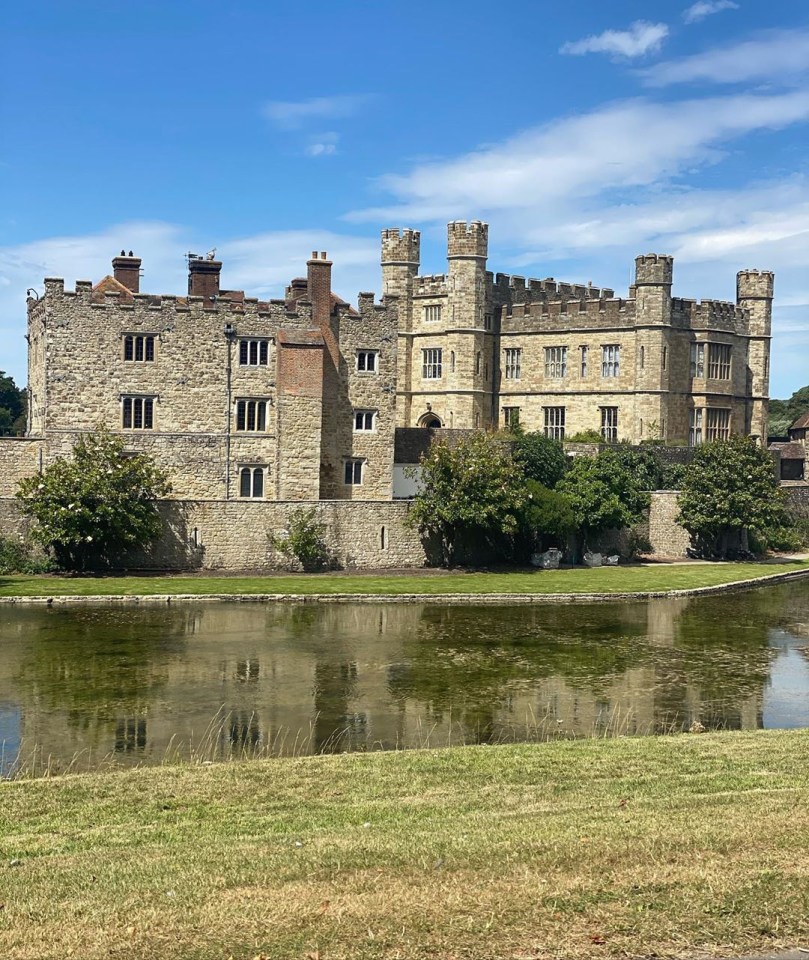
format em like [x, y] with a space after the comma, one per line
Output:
[362, 358]
[253, 410]
[717, 423]
[254, 351]
[365, 420]
[584, 350]
[138, 407]
[720, 358]
[432, 363]
[511, 416]
[556, 363]
[432, 313]
[609, 424]
[353, 471]
[697, 360]
[512, 365]
[554, 418]
[610, 360]
[256, 476]
[139, 343]
[695, 426]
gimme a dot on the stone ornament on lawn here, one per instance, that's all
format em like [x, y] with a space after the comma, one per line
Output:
[593, 559]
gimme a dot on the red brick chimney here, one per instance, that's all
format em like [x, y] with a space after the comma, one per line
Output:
[126, 270]
[203, 277]
[318, 278]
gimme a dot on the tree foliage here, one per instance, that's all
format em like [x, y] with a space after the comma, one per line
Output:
[783, 413]
[471, 493]
[604, 493]
[541, 458]
[12, 407]
[95, 505]
[303, 541]
[730, 491]
[546, 515]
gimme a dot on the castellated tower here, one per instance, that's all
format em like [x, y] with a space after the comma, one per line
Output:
[754, 294]
[401, 252]
[654, 273]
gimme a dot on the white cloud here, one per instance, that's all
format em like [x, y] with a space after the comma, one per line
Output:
[290, 114]
[641, 38]
[707, 8]
[619, 146]
[323, 145]
[261, 264]
[778, 54]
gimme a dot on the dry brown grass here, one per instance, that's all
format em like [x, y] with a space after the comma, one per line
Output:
[675, 846]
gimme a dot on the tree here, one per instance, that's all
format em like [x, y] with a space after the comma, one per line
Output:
[303, 541]
[541, 458]
[471, 492]
[545, 515]
[91, 508]
[12, 407]
[730, 491]
[604, 493]
[783, 413]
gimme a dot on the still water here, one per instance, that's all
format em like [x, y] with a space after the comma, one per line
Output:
[90, 685]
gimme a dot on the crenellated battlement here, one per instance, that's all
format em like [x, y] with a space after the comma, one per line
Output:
[654, 269]
[547, 289]
[709, 313]
[434, 284]
[523, 317]
[755, 285]
[401, 246]
[467, 239]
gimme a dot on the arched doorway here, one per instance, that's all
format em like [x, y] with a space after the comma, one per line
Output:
[430, 421]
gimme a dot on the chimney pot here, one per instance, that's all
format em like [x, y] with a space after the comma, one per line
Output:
[126, 270]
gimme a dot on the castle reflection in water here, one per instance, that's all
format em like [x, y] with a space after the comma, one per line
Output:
[137, 684]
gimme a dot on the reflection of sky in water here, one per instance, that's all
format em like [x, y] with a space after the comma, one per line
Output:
[10, 735]
[786, 696]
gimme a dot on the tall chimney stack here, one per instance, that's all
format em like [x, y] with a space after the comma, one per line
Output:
[203, 277]
[126, 270]
[318, 277]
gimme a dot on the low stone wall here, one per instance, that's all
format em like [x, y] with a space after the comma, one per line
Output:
[235, 534]
[797, 495]
[19, 457]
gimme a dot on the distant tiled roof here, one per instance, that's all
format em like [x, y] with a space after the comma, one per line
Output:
[789, 451]
[801, 423]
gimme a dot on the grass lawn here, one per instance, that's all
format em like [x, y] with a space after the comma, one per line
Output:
[669, 847]
[641, 578]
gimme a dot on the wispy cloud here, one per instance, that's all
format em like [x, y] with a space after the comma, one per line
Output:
[778, 54]
[707, 8]
[291, 114]
[641, 38]
[323, 144]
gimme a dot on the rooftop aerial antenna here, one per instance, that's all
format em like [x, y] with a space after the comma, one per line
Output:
[193, 256]
[211, 254]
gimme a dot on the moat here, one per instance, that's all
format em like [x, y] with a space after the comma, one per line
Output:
[94, 684]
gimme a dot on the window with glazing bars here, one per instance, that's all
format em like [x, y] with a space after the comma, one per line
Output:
[513, 363]
[251, 415]
[511, 416]
[695, 427]
[555, 423]
[556, 362]
[610, 360]
[431, 363]
[139, 349]
[364, 421]
[138, 413]
[353, 473]
[719, 355]
[251, 482]
[584, 351]
[367, 361]
[432, 312]
[254, 353]
[609, 423]
[718, 425]
[697, 360]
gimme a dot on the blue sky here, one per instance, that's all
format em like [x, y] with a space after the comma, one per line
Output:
[584, 132]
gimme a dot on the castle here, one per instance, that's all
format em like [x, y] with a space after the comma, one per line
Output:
[308, 398]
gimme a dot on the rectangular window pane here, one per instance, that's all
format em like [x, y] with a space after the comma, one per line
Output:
[555, 362]
[609, 423]
[127, 413]
[610, 360]
[513, 363]
[583, 361]
[718, 425]
[129, 348]
[148, 414]
[695, 428]
[511, 416]
[244, 482]
[263, 356]
[243, 352]
[697, 360]
[258, 482]
[139, 348]
[555, 422]
[150, 349]
[241, 415]
[431, 366]
[138, 413]
[719, 355]
[254, 353]
[261, 408]
[251, 415]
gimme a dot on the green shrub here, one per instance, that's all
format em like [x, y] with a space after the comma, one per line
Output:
[18, 556]
[303, 541]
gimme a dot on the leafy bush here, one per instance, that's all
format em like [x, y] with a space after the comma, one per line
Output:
[585, 436]
[17, 556]
[91, 508]
[541, 458]
[545, 519]
[303, 541]
[730, 495]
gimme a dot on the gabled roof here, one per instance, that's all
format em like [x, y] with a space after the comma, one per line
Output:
[802, 423]
[110, 285]
[789, 451]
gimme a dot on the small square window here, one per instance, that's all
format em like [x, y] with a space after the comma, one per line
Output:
[367, 361]
[139, 348]
[251, 415]
[137, 413]
[251, 482]
[364, 421]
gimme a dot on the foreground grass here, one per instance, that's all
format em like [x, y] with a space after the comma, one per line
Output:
[672, 846]
[641, 578]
